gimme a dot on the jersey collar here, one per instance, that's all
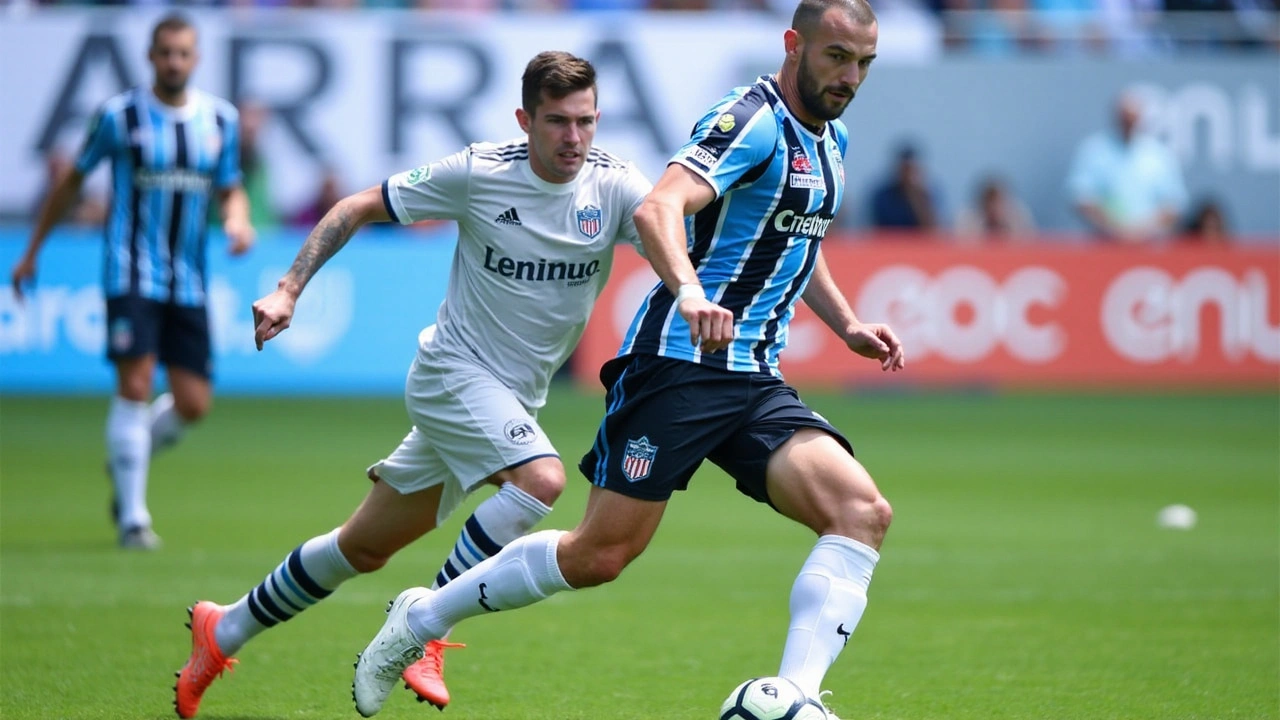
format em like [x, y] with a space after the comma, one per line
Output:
[771, 83]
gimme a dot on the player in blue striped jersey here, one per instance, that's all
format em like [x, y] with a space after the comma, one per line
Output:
[173, 151]
[734, 230]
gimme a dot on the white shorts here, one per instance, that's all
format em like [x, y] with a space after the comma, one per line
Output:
[467, 426]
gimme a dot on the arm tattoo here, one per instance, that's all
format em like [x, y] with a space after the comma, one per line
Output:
[328, 237]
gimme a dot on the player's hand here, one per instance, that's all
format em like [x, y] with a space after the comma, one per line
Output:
[877, 341]
[271, 315]
[710, 326]
[240, 236]
[23, 273]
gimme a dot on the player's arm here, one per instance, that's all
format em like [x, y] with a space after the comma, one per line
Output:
[63, 195]
[660, 224]
[234, 206]
[873, 340]
[272, 314]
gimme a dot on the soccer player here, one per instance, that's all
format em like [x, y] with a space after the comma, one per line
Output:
[537, 222]
[173, 150]
[733, 229]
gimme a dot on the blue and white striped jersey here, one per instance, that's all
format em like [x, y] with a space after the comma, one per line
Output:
[778, 185]
[165, 164]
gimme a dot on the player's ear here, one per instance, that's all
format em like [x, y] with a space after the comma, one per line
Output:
[526, 122]
[791, 42]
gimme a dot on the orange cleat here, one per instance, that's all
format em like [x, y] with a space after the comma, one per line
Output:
[426, 677]
[206, 662]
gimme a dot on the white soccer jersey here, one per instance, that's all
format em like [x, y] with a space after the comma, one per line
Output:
[532, 256]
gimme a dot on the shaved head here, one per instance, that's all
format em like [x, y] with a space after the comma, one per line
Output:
[809, 13]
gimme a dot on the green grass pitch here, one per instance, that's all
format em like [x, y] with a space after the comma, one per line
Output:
[1024, 577]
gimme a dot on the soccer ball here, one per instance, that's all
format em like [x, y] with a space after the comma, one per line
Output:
[770, 698]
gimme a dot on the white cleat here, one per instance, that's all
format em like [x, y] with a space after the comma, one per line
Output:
[393, 649]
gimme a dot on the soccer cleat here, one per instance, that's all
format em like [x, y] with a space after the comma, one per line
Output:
[206, 662]
[426, 677]
[139, 538]
[383, 662]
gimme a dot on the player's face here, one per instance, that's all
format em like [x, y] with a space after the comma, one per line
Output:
[560, 134]
[174, 58]
[833, 64]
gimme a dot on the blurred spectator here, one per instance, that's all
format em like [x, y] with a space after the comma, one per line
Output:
[90, 206]
[1126, 184]
[257, 181]
[329, 193]
[996, 214]
[906, 199]
[1207, 223]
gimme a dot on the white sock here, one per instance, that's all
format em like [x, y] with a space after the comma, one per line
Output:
[308, 575]
[524, 572]
[129, 453]
[510, 513]
[827, 601]
[167, 425]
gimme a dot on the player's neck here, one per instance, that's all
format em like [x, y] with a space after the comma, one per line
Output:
[177, 99]
[791, 97]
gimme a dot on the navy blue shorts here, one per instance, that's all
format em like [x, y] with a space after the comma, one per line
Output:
[664, 417]
[178, 335]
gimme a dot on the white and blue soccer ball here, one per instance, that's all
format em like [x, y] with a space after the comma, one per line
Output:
[770, 698]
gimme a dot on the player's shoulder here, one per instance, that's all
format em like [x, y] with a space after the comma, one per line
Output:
[604, 161]
[499, 152]
[745, 101]
[221, 107]
[121, 101]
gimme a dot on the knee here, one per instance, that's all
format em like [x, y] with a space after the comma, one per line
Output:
[363, 557]
[878, 515]
[592, 567]
[191, 409]
[544, 483]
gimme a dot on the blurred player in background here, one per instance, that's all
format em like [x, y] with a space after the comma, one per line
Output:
[173, 151]
[733, 229]
[537, 222]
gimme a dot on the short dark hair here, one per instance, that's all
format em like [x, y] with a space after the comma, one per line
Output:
[556, 73]
[809, 13]
[172, 22]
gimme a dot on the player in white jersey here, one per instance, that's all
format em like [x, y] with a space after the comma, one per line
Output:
[537, 222]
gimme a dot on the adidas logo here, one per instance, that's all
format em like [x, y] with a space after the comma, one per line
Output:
[510, 217]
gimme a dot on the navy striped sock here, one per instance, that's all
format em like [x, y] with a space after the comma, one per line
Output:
[509, 514]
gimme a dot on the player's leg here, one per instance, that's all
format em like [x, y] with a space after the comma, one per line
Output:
[186, 352]
[614, 531]
[401, 506]
[483, 434]
[132, 341]
[524, 497]
[790, 457]
[623, 511]
[814, 480]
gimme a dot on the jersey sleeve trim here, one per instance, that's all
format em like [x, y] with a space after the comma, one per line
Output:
[390, 206]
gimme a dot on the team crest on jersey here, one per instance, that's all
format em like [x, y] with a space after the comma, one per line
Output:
[418, 175]
[800, 163]
[213, 145]
[589, 223]
[726, 123]
[637, 461]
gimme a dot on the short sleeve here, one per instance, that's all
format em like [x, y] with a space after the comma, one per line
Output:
[228, 172]
[729, 142]
[99, 142]
[631, 191]
[439, 191]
